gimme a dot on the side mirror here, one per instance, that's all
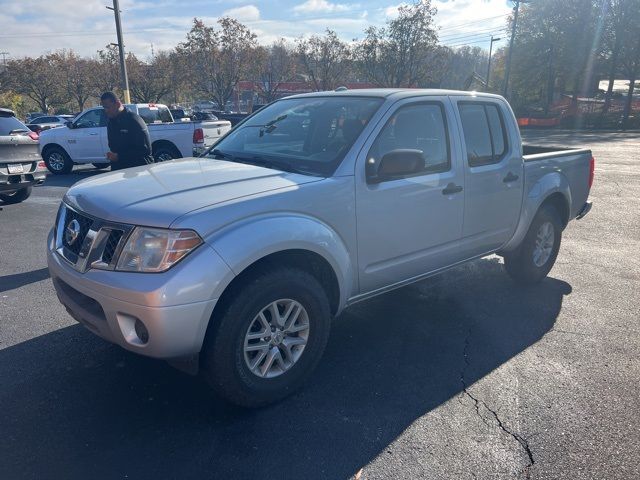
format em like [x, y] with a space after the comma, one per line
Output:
[396, 164]
[69, 124]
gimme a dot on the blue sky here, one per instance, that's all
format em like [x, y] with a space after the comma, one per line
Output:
[32, 27]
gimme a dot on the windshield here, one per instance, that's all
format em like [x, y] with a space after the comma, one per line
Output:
[307, 135]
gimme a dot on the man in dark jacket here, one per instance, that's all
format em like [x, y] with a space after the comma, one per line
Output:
[129, 142]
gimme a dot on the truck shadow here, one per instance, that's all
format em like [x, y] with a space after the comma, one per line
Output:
[67, 180]
[76, 407]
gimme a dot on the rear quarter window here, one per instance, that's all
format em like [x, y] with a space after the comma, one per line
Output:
[155, 114]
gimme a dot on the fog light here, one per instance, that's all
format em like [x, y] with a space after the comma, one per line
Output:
[141, 331]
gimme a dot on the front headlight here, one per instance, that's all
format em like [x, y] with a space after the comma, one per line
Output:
[156, 250]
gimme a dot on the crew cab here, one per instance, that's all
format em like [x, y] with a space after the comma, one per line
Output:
[234, 263]
[84, 140]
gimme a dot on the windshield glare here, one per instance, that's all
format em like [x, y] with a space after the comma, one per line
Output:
[310, 135]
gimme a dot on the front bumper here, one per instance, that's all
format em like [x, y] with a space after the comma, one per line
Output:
[174, 306]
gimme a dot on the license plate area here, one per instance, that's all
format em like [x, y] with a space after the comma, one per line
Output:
[19, 168]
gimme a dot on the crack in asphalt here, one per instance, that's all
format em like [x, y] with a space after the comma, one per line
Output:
[478, 402]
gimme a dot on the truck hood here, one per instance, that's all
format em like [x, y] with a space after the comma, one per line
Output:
[155, 195]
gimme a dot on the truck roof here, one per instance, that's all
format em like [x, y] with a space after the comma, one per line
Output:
[394, 93]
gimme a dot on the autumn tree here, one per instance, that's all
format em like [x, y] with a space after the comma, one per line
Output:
[106, 75]
[149, 82]
[76, 74]
[39, 79]
[324, 60]
[400, 54]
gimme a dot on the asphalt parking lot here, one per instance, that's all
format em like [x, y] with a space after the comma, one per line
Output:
[461, 376]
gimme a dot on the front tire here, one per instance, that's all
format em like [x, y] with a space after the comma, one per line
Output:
[58, 161]
[17, 196]
[268, 337]
[534, 258]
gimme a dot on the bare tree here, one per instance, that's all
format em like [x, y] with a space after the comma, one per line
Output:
[400, 54]
[277, 65]
[324, 60]
[218, 60]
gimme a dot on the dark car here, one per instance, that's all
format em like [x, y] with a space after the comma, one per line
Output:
[202, 116]
[19, 159]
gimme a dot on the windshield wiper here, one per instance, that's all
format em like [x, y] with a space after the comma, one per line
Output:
[275, 120]
[261, 162]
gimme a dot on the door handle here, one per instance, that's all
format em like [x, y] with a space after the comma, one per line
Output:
[92, 134]
[451, 189]
[511, 177]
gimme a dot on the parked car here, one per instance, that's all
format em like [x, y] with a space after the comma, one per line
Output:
[181, 114]
[33, 116]
[20, 167]
[40, 124]
[85, 139]
[205, 106]
[235, 262]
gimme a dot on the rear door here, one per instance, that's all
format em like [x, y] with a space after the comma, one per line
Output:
[410, 226]
[87, 141]
[493, 175]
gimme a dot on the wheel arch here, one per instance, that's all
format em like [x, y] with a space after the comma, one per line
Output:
[552, 189]
[163, 143]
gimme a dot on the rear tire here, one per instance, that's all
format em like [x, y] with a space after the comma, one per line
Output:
[57, 161]
[164, 153]
[231, 360]
[17, 196]
[534, 258]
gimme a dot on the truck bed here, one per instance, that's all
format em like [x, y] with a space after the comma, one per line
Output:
[534, 153]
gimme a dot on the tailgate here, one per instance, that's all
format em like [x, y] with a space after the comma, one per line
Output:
[213, 130]
[18, 149]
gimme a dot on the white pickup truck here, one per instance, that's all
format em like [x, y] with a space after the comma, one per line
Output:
[235, 262]
[84, 140]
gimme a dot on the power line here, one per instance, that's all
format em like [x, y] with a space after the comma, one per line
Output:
[462, 36]
[453, 27]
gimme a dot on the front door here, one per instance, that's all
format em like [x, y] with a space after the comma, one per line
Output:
[409, 226]
[87, 140]
[493, 175]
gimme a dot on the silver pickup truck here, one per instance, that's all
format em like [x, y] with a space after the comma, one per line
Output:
[234, 263]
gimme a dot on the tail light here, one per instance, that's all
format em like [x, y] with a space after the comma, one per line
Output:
[42, 166]
[33, 136]
[592, 166]
[198, 135]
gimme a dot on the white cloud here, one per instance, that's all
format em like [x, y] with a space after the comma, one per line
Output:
[248, 13]
[392, 11]
[322, 6]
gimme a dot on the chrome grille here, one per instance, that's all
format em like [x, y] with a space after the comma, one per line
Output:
[85, 224]
[97, 243]
[112, 244]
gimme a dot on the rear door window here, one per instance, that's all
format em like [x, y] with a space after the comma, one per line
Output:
[484, 133]
[10, 124]
[155, 114]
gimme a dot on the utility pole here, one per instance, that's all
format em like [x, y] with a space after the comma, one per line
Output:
[490, 51]
[123, 63]
[4, 58]
[507, 71]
